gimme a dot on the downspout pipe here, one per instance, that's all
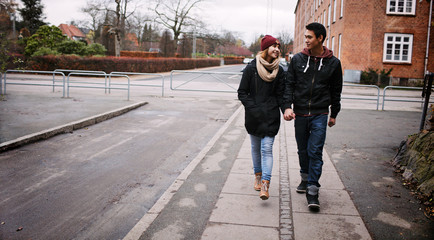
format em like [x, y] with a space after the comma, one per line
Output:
[428, 36]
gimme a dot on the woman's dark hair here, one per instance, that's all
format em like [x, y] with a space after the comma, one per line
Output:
[318, 29]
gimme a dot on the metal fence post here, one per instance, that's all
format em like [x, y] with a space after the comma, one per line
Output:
[426, 93]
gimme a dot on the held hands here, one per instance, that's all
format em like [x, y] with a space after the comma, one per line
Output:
[289, 114]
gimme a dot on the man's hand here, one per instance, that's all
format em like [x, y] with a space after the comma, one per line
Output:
[332, 122]
[289, 114]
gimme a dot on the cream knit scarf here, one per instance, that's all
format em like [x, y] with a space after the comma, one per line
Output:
[262, 65]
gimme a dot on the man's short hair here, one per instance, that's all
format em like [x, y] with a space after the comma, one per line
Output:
[318, 29]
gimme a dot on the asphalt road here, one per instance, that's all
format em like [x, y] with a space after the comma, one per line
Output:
[97, 182]
[361, 146]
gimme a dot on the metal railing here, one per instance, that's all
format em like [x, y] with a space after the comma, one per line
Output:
[80, 71]
[364, 86]
[141, 80]
[98, 85]
[400, 99]
[53, 80]
[213, 75]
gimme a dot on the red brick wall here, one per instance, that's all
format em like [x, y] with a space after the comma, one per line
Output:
[363, 26]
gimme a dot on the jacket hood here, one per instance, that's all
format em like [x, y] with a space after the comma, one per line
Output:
[326, 54]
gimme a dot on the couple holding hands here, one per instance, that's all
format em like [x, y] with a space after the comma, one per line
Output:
[307, 93]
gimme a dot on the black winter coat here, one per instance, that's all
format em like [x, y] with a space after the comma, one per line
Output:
[261, 101]
[313, 89]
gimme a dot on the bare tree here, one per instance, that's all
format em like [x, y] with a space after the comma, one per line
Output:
[102, 11]
[96, 15]
[285, 41]
[176, 15]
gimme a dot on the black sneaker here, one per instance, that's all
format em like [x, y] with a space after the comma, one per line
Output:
[302, 187]
[312, 201]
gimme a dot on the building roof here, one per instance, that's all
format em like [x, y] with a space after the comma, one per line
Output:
[71, 31]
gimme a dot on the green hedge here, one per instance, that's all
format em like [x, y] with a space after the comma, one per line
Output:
[118, 64]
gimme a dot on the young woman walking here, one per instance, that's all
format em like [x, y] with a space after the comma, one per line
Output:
[260, 91]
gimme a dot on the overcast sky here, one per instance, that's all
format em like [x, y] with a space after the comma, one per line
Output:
[245, 17]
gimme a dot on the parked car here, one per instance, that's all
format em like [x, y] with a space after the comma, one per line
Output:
[247, 60]
[155, 50]
[284, 64]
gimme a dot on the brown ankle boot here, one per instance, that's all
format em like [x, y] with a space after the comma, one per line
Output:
[264, 190]
[257, 185]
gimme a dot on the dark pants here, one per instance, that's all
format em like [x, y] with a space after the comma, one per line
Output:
[310, 133]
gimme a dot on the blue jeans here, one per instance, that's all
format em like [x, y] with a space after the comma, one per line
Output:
[310, 134]
[262, 155]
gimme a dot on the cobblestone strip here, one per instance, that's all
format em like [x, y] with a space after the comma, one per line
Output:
[286, 230]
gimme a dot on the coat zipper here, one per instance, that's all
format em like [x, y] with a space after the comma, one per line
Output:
[311, 87]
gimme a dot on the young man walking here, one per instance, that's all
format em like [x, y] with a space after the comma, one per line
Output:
[313, 87]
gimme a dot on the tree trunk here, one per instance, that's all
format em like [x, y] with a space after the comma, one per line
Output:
[117, 29]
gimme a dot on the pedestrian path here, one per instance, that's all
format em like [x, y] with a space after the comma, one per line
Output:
[238, 212]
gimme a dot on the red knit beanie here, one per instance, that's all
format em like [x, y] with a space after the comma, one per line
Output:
[267, 41]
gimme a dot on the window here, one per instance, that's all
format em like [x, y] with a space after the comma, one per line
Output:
[404, 7]
[327, 41]
[333, 44]
[339, 46]
[334, 10]
[325, 17]
[397, 47]
[329, 16]
[342, 8]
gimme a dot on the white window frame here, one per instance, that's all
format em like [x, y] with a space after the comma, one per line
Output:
[396, 55]
[334, 10]
[328, 42]
[333, 44]
[342, 8]
[329, 16]
[404, 11]
[324, 18]
[339, 45]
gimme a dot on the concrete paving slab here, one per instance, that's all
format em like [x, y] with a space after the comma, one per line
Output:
[243, 166]
[243, 184]
[246, 210]
[308, 226]
[217, 231]
[329, 180]
[336, 202]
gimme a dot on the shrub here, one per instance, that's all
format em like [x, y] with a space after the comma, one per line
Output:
[95, 49]
[233, 60]
[139, 54]
[45, 36]
[373, 77]
[72, 47]
[43, 51]
[122, 64]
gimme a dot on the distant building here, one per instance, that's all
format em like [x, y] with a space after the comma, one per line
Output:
[377, 34]
[72, 32]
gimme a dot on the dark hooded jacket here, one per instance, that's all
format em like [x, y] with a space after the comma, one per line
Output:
[261, 101]
[314, 84]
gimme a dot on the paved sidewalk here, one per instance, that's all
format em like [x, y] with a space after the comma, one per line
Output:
[239, 213]
[253, 218]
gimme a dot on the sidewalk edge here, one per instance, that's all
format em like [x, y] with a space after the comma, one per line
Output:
[143, 224]
[67, 128]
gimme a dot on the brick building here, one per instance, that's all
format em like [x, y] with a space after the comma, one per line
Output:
[377, 34]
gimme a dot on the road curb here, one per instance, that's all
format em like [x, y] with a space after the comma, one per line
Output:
[67, 128]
